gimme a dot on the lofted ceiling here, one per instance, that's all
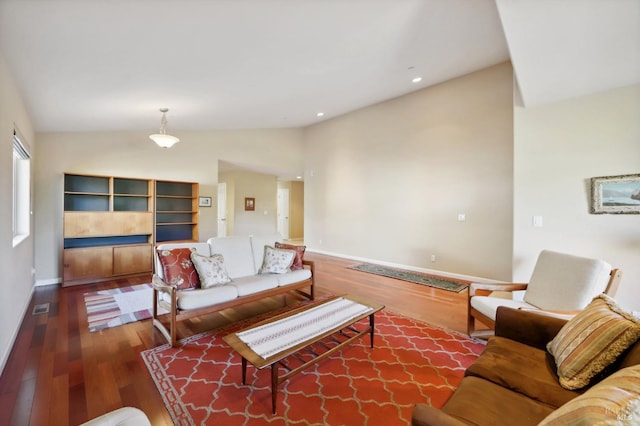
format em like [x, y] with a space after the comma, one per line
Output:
[102, 65]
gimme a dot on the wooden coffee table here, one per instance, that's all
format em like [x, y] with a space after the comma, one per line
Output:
[302, 350]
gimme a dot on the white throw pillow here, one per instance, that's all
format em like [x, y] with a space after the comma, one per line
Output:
[210, 269]
[277, 261]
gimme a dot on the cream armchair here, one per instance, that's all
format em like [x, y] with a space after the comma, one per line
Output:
[561, 284]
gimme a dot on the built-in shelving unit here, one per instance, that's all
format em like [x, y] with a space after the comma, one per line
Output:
[176, 211]
[111, 224]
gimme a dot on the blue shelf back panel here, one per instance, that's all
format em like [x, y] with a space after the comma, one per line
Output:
[173, 204]
[130, 186]
[174, 217]
[105, 241]
[130, 204]
[76, 183]
[180, 189]
[174, 232]
[81, 202]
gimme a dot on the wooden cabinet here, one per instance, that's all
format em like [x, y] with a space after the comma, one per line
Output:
[176, 211]
[132, 259]
[111, 224]
[108, 227]
[87, 263]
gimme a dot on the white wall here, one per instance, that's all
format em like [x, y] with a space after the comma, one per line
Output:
[128, 154]
[16, 262]
[558, 148]
[387, 182]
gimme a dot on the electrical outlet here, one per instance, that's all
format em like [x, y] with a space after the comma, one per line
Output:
[433, 257]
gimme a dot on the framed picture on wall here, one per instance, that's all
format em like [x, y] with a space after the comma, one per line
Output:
[204, 202]
[249, 204]
[615, 194]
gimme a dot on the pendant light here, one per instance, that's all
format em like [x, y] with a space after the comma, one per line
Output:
[163, 139]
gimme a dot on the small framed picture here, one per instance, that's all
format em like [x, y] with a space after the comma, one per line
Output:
[615, 194]
[249, 204]
[204, 202]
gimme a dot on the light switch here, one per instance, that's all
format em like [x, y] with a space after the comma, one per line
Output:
[537, 221]
[462, 217]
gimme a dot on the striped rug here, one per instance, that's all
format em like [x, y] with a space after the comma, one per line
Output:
[118, 306]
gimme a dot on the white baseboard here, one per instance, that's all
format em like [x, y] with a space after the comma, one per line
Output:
[407, 267]
[14, 335]
[50, 281]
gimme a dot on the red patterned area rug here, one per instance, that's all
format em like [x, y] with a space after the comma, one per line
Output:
[412, 362]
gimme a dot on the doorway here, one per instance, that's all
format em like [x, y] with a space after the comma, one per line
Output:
[283, 212]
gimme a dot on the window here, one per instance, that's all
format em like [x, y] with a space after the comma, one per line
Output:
[21, 190]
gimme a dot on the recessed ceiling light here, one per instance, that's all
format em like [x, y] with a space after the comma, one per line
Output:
[320, 114]
[298, 177]
[417, 80]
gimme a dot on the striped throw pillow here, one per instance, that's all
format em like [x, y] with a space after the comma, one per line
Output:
[613, 401]
[592, 340]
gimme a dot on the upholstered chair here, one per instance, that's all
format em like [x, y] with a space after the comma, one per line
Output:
[561, 284]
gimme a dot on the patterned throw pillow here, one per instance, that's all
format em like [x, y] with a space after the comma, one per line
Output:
[210, 269]
[277, 261]
[297, 262]
[592, 340]
[613, 401]
[178, 269]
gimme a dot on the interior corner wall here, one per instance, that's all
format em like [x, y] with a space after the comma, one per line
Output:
[16, 262]
[132, 154]
[388, 182]
[558, 148]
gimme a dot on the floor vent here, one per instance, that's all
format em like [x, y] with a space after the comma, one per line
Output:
[42, 308]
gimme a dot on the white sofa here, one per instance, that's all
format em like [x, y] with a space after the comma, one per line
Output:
[243, 256]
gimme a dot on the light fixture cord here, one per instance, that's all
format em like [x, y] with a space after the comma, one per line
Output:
[163, 124]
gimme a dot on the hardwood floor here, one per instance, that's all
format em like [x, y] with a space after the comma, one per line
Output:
[59, 373]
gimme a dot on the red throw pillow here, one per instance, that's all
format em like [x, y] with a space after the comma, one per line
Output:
[297, 262]
[178, 269]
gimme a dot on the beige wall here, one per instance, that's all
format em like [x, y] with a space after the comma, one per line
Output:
[17, 262]
[128, 154]
[262, 187]
[387, 182]
[558, 148]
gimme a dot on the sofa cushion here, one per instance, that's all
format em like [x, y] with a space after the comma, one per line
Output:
[237, 254]
[481, 402]
[572, 280]
[487, 305]
[297, 262]
[254, 283]
[614, 401]
[200, 248]
[521, 368]
[592, 340]
[178, 269]
[257, 245]
[277, 261]
[211, 270]
[204, 297]
[293, 277]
